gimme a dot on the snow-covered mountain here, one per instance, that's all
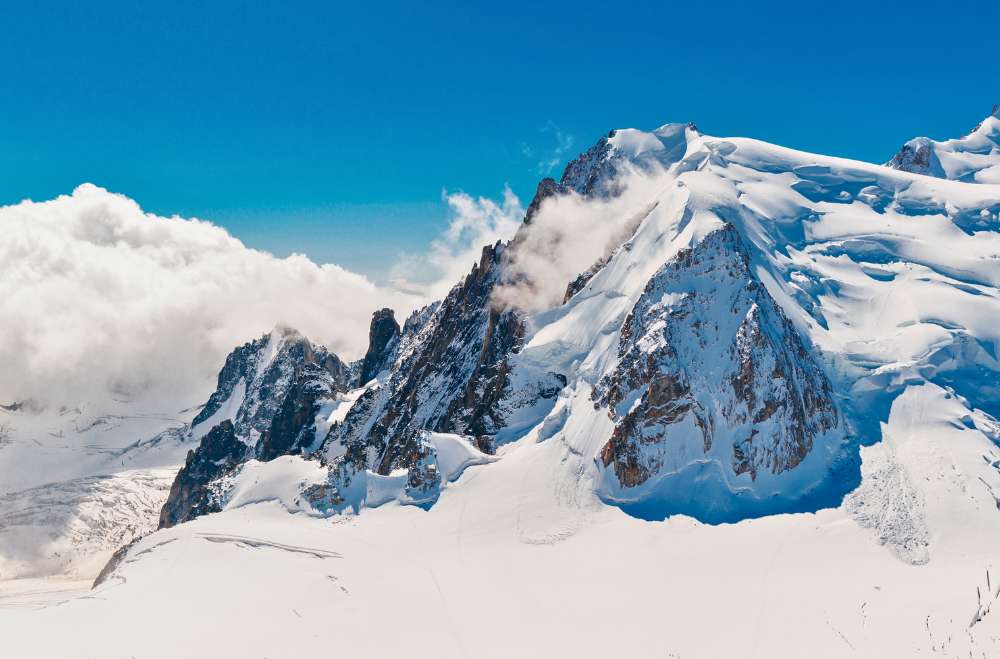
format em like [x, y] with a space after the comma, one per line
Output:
[758, 416]
[974, 158]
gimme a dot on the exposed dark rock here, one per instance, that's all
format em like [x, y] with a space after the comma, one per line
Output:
[593, 171]
[706, 354]
[451, 373]
[271, 389]
[916, 156]
[382, 335]
[219, 452]
[589, 174]
[293, 427]
[265, 369]
[547, 187]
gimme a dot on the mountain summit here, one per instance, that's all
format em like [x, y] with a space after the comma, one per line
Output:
[974, 158]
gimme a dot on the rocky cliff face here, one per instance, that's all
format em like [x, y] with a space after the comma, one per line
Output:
[917, 156]
[259, 376]
[449, 374]
[708, 368]
[597, 171]
[382, 338]
[219, 452]
[709, 365]
[453, 367]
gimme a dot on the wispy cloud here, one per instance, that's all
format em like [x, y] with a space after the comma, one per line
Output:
[557, 145]
[474, 222]
[567, 236]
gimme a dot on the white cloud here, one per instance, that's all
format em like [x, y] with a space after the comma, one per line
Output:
[548, 157]
[567, 236]
[99, 299]
[557, 153]
[474, 222]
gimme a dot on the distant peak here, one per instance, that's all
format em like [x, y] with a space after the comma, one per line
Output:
[282, 331]
[972, 158]
[672, 128]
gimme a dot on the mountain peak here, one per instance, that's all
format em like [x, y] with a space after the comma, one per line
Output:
[594, 173]
[973, 158]
[382, 335]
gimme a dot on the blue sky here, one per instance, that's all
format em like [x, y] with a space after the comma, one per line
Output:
[331, 128]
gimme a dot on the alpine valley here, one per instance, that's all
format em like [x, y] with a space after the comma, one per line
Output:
[715, 398]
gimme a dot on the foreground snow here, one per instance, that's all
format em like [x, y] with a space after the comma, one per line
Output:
[518, 558]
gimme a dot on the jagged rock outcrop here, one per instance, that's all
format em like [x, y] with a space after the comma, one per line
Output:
[258, 376]
[596, 172]
[709, 369]
[293, 426]
[710, 365]
[269, 394]
[917, 156]
[547, 187]
[219, 452]
[589, 174]
[450, 374]
[382, 336]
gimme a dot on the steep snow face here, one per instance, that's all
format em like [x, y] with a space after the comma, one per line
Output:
[974, 158]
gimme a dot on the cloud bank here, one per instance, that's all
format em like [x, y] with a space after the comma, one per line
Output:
[100, 300]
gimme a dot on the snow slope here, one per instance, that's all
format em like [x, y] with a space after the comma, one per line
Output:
[874, 536]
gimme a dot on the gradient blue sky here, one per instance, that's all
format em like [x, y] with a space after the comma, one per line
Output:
[332, 128]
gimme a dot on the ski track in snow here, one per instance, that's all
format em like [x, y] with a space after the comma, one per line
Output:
[260, 543]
